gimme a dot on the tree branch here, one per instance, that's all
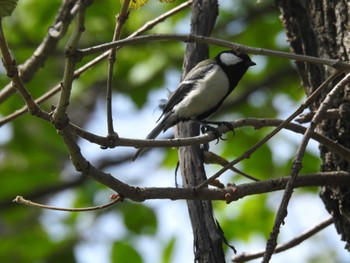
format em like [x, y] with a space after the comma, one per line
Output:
[190, 38]
[56, 32]
[228, 194]
[297, 165]
[149, 25]
[121, 19]
[110, 142]
[21, 200]
[60, 118]
[244, 257]
[12, 72]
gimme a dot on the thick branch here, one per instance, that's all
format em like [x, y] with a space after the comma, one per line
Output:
[228, 194]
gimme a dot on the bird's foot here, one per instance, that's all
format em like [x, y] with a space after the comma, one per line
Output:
[222, 123]
[206, 127]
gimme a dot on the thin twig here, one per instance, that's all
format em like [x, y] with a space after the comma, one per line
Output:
[60, 117]
[21, 200]
[53, 91]
[244, 257]
[149, 25]
[56, 32]
[120, 21]
[296, 167]
[12, 72]
[212, 158]
[216, 42]
[329, 114]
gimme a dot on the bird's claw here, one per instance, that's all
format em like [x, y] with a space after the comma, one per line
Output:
[228, 125]
[207, 128]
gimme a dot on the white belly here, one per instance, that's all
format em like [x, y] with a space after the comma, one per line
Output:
[205, 96]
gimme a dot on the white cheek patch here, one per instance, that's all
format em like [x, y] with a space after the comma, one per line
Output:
[229, 59]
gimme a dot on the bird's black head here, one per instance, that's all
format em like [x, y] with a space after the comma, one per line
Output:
[234, 64]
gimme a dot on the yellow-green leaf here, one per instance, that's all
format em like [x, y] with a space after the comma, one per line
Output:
[7, 7]
[135, 4]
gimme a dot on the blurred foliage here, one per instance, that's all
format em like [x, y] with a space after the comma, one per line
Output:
[7, 7]
[139, 219]
[124, 252]
[33, 157]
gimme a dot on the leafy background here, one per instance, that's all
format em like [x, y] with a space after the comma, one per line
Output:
[34, 162]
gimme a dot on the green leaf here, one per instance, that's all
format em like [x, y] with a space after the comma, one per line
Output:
[124, 252]
[168, 250]
[139, 219]
[245, 219]
[7, 7]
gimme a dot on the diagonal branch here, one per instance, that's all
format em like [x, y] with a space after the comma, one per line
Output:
[297, 165]
[149, 25]
[12, 72]
[244, 257]
[56, 32]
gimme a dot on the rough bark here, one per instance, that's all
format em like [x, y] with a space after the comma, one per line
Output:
[321, 28]
[207, 240]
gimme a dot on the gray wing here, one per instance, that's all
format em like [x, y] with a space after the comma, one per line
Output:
[198, 72]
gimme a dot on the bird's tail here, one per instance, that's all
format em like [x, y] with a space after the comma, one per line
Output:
[162, 126]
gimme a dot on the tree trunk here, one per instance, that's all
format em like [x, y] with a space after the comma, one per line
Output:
[321, 28]
[207, 240]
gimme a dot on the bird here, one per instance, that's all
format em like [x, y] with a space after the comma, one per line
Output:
[202, 91]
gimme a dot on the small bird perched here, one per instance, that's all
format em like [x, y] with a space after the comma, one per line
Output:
[202, 91]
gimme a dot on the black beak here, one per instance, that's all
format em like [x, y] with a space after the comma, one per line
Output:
[250, 63]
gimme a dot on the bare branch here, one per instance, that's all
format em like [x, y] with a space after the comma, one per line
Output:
[297, 165]
[58, 30]
[244, 257]
[110, 142]
[12, 72]
[60, 118]
[149, 25]
[120, 21]
[329, 114]
[228, 194]
[217, 42]
[212, 158]
[21, 200]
